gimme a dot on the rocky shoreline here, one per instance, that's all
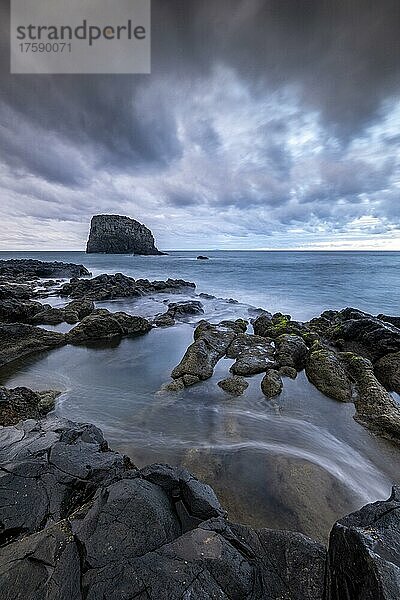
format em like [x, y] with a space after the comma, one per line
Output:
[80, 521]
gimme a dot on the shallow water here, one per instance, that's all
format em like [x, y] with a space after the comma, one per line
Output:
[299, 462]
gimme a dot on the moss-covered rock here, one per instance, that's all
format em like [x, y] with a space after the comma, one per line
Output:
[325, 370]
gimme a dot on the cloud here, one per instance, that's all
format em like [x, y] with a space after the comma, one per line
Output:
[263, 124]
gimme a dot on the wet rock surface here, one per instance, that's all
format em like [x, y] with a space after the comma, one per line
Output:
[18, 340]
[71, 313]
[210, 345]
[325, 370]
[364, 553]
[80, 521]
[387, 370]
[109, 287]
[253, 354]
[115, 234]
[102, 324]
[235, 386]
[375, 407]
[271, 384]
[16, 310]
[22, 403]
[28, 269]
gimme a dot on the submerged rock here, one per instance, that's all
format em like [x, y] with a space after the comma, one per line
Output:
[22, 403]
[18, 340]
[325, 370]
[364, 551]
[183, 309]
[271, 384]
[115, 234]
[210, 345]
[109, 287]
[234, 385]
[104, 325]
[375, 407]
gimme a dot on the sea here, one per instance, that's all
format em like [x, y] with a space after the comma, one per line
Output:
[297, 462]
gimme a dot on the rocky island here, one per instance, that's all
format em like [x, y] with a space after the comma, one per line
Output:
[115, 234]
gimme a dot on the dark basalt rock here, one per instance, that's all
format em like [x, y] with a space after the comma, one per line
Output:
[254, 354]
[104, 325]
[278, 324]
[325, 370]
[22, 403]
[202, 257]
[109, 287]
[364, 334]
[291, 351]
[71, 313]
[390, 319]
[18, 340]
[115, 234]
[16, 291]
[27, 269]
[79, 521]
[387, 371]
[235, 386]
[376, 409]
[210, 345]
[179, 310]
[15, 310]
[364, 553]
[271, 384]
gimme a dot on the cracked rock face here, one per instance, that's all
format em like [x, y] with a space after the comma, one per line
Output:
[114, 234]
[80, 522]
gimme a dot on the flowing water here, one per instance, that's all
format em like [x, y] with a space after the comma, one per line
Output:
[298, 462]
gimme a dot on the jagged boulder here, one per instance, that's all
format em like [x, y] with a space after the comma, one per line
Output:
[254, 354]
[375, 407]
[110, 287]
[22, 403]
[291, 351]
[387, 370]
[18, 340]
[17, 310]
[235, 386]
[71, 313]
[364, 551]
[115, 234]
[271, 384]
[102, 324]
[210, 345]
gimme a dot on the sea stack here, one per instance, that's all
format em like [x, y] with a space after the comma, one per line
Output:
[115, 234]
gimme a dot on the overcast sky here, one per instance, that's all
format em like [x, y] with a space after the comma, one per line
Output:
[264, 124]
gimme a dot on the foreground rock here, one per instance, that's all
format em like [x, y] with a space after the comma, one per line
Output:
[16, 310]
[80, 521]
[210, 345]
[22, 403]
[375, 407]
[18, 340]
[27, 269]
[364, 553]
[104, 325]
[115, 234]
[109, 287]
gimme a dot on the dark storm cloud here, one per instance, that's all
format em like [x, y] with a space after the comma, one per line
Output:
[258, 115]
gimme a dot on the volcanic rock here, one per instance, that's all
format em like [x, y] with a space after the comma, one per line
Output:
[115, 234]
